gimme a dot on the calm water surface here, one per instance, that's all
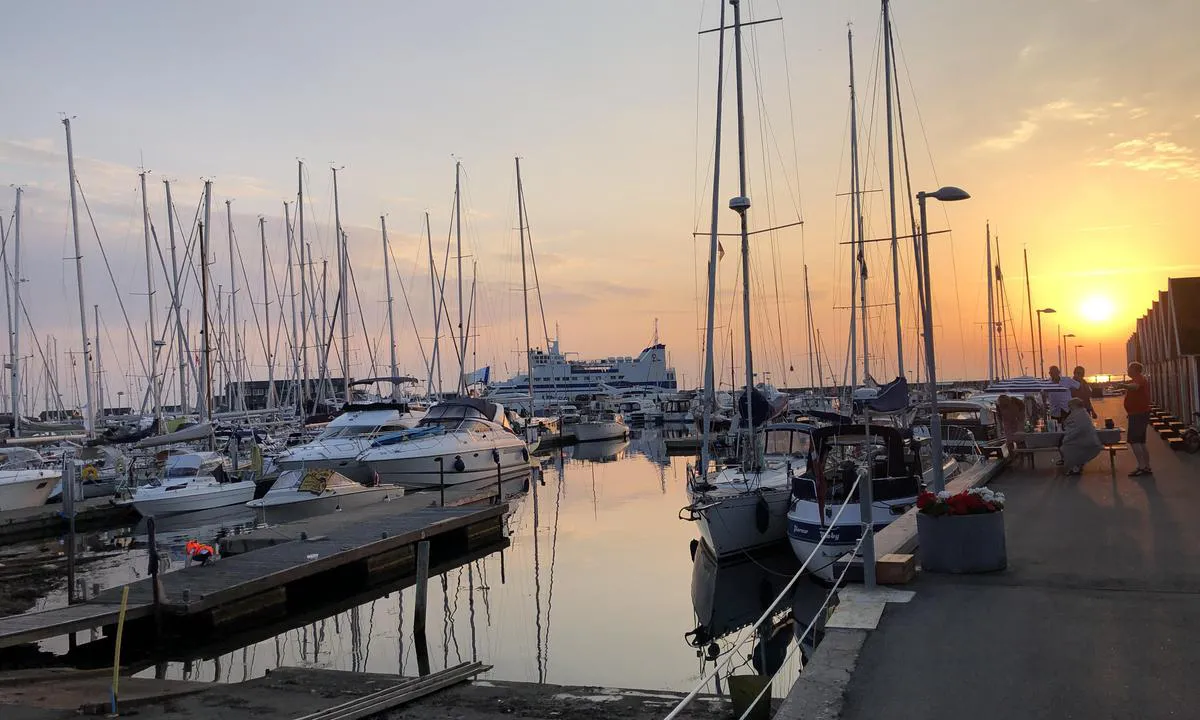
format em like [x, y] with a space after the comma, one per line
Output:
[598, 587]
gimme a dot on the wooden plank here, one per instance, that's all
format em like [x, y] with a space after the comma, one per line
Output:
[30, 627]
[229, 579]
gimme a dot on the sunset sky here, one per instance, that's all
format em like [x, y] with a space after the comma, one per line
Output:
[1073, 124]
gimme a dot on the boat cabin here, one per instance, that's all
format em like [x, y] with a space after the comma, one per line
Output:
[840, 454]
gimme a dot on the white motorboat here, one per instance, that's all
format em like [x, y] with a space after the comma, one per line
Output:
[191, 481]
[890, 457]
[322, 490]
[743, 508]
[459, 441]
[346, 436]
[601, 426]
[26, 488]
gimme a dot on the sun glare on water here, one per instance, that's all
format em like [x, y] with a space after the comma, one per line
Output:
[1097, 309]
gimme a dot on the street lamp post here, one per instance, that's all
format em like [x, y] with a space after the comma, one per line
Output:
[1077, 346]
[1041, 352]
[1063, 356]
[948, 193]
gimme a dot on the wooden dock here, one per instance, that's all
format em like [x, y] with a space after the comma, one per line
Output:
[47, 520]
[364, 550]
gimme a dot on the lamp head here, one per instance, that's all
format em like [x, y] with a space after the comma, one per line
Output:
[1048, 311]
[950, 193]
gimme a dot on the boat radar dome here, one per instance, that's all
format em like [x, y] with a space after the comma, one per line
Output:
[741, 203]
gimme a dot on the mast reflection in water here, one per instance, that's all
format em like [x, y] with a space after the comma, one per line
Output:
[596, 588]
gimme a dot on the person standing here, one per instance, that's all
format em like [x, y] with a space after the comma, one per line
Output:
[1084, 392]
[1137, 407]
[1060, 400]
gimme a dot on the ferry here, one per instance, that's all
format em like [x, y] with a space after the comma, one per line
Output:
[554, 375]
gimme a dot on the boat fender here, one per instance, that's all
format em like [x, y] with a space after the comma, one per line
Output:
[762, 514]
[495, 456]
[693, 546]
[525, 454]
[459, 465]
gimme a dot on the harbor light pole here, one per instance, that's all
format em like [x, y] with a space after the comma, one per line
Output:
[1064, 357]
[1041, 352]
[948, 193]
[1077, 346]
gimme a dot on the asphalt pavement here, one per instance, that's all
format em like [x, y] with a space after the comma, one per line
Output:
[1097, 616]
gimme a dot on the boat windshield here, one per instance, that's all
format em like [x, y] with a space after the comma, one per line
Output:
[182, 471]
[786, 442]
[450, 415]
[348, 431]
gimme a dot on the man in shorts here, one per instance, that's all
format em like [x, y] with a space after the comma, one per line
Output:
[1137, 406]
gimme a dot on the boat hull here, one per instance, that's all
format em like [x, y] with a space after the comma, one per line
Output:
[595, 431]
[26, 488]
[326, 502]
[156, 501]
[732, 525]
[805, 529]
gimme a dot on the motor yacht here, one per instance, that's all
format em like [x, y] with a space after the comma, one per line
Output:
[320, 491]
[459, 441]
[191, 481]
[338, 446]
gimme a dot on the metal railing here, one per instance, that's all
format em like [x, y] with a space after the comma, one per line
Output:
[865, 543]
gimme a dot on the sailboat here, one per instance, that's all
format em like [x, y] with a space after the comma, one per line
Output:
[742, 507]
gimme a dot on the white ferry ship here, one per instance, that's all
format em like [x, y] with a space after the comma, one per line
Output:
[555, 375]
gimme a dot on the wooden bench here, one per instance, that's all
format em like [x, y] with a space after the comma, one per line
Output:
[1113, 449]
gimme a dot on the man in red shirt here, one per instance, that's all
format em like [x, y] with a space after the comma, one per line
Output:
[1137, 406]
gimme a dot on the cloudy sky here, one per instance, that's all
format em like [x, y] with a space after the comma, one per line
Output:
[1073, 124]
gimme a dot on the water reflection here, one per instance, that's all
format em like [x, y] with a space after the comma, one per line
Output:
[596, 587]
[729, 596]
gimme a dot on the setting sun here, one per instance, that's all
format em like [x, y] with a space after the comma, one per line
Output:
[1097, 309]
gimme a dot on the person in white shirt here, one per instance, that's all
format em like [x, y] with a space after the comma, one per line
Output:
[1059, 401]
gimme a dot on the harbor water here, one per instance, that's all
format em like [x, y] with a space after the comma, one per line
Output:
[600, 585]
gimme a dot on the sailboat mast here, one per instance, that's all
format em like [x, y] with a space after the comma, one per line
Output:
[991, 316]
[181, 335]
[391, 319]
[708, 405]
[153, 349]
[237, 392]
[435, 358]
[302, 341]
[525, 295]
[262, 236]
[99, 366]
[808, 334]
[740, 205]
[343, 287]
[891, 161]
[857, 221]
[1029, 302]
[15, 315]
[462, 330]
[291, 290]
[89, 415]
[206, 350]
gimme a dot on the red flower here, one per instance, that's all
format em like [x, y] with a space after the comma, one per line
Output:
[925, 499]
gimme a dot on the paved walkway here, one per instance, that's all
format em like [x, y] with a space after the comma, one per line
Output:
[1098, 615]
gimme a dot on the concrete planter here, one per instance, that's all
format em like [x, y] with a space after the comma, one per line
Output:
[962, 543]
